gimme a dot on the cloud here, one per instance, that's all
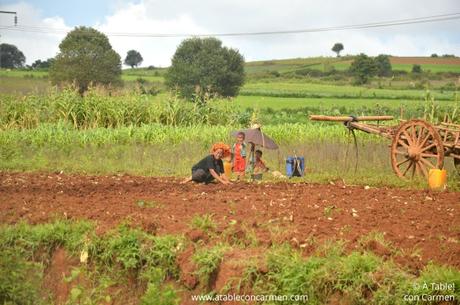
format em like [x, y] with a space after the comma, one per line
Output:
[135, 18]
[225, 16]
[33, 45]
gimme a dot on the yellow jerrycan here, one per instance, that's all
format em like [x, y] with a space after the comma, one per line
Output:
[437, 179]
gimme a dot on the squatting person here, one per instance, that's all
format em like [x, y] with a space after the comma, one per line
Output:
[211, 167]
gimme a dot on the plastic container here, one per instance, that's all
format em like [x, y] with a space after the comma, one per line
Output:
[291, 170]
[437, 179]
[227, 168]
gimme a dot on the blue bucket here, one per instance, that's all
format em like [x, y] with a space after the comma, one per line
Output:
[295, 166]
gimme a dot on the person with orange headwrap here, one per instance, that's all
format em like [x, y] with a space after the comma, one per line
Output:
[211, 167]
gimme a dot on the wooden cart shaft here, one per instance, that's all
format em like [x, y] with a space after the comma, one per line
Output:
[350, 118]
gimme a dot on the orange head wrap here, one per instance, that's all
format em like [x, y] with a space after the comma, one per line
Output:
[225, 148]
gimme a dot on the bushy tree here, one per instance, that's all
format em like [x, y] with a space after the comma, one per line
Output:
[133, 59]
[38, 64]
[363, 68]
[337, 48]
[416, 68]
[11, 56]
[202, 66]
[383, 65]
[86, 57]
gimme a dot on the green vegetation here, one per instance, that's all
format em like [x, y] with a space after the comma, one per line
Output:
[111, 130]
[203, 222]
[99, 108]
[337, 48]
[11, 56]
[208, 261]
[201, 68]
[314, 90]
[357, 277]
[329, 273]
[133, 58]
[86, 57]
[26, 251]
[363, 68]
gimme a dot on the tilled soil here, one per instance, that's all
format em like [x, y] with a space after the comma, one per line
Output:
[414, 221]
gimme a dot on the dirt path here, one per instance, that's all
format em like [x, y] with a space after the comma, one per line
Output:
[410, 219]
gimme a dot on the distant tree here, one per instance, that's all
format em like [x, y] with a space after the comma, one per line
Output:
[416, 68]
[383, 65]
[38, 64]
[133, 58]
[363, 68]
[86, 57]
[448, 55]
[11, 56]
[434, 55]
[202, 66]
[337, 48]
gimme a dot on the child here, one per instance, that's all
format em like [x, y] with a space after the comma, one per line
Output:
[239, 156]
[259, 166]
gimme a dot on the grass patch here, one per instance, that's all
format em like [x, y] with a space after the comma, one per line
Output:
[203, 222]
[208, 261]
[328, 275]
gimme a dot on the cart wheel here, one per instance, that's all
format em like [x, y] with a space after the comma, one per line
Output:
[416, 148]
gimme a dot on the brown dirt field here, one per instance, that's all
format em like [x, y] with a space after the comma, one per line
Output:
[300, 213]
[425, 60]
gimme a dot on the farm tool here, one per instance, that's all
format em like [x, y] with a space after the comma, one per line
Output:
[416, 145]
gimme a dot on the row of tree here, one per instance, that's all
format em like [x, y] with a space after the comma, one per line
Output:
[12, 58]
[200, 67]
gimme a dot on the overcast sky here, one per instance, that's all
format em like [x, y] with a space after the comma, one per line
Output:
[229, 16]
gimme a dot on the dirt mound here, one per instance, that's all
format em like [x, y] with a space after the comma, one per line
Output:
[299, 213]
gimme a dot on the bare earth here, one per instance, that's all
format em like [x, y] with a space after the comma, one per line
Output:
[410, 219]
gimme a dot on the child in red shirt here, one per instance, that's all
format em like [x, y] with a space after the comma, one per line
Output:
[239, 156]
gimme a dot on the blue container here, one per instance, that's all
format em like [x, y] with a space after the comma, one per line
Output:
[295, 166]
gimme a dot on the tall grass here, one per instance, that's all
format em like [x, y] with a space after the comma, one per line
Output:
[101, 108]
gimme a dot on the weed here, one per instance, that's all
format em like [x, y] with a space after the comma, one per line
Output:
[203, 222]
[208, 261]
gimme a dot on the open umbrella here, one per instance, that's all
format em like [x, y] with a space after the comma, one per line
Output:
[256, 136]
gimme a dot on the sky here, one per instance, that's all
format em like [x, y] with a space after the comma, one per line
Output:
[51, 20]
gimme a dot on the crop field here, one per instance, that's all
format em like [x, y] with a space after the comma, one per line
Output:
[434, 65]
[93, 211]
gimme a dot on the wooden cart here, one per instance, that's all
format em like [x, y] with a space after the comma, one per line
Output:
[417, 146]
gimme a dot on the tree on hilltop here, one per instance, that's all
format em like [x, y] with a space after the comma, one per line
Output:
[337, 48]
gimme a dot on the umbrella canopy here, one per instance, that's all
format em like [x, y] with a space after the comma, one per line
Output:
[256, 136]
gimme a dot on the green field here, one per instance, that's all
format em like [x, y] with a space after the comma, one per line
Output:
[104, 131]
[305, 89]
[434, 68]
[343, 63]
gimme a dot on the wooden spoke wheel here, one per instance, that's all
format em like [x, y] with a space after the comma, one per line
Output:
[416, 148]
